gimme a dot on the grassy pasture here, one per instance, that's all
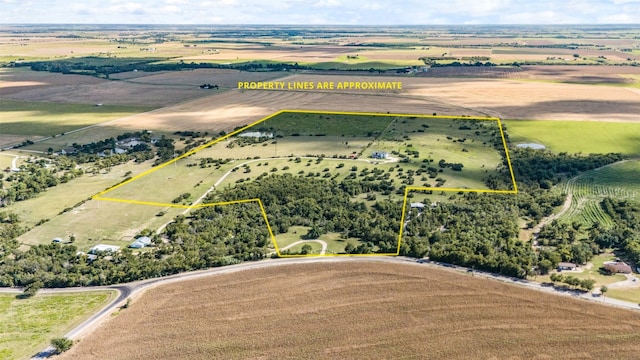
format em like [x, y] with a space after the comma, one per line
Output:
[577, 136]
[617, 181]
[289, 123]
[48, 119]
[27, 326]
[50, 203]
[363, 309]
[100, 222]
[335, 243]
[436, 139]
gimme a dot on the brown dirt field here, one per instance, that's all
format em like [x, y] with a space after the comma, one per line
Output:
[234, 108]
[503, 98]
[557, 73]
[535, 100]
[156, 89]
[15, 81]
[348, 310]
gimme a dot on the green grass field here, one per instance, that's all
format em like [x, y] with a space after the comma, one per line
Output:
[27, 325]
[618, 181]
[48, 119]
[51, 202]
[577, 136]
[632, 295]
[289, 123]
[335, 242]
[100, 222]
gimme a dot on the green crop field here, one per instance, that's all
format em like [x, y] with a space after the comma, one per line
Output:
[27, 325]
[292, 123]
[577, 136]
[48, 119]
[618, 181]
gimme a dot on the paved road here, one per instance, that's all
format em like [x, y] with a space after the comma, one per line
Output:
[131, 290]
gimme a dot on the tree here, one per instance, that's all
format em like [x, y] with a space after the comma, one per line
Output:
[61, 344]
[587, 284]
[32, 288]
[544, 266]
[306, 249]
[603, 289]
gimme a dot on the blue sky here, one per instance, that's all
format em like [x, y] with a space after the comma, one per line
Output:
[356, 12]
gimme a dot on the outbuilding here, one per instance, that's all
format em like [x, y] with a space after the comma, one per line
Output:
[617, 267]
[566, 266]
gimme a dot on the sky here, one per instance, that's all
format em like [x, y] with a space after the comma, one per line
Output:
[318, 12]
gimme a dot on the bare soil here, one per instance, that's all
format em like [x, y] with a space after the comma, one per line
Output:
[359, 310]
[135, 88]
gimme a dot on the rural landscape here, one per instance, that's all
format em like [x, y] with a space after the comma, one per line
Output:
[463, 189]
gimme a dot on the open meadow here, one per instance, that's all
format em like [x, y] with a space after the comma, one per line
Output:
[27, 325]
[598, 137]
[316, 310]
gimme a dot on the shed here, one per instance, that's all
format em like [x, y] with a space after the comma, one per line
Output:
[566, 266]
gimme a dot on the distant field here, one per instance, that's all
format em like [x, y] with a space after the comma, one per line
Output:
[577, 136]
[27, 326]
[619, 181]
[359, 310]
[47, 119]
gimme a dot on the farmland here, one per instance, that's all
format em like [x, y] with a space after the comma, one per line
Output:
[37, 119]
[146, 79]
[591, 136]
[27, 325]
[427, 310]
[617, 181]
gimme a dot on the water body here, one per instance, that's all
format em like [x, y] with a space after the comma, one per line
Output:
[532, 146]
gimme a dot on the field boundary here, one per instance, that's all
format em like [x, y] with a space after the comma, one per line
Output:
[100, 196]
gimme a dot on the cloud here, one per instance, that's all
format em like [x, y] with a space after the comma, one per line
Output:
[300, 12]
[327, 3]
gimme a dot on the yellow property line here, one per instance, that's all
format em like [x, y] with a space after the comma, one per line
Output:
[100, 195]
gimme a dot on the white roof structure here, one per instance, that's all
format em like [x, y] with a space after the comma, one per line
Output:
[104, 248]
[141, 242]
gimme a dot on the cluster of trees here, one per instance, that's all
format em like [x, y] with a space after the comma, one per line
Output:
[547, 168]
[96, 66]
[325, 206]
[475, 230]
[574, 282]
[213, 236]
[32, 179]
[624, 235]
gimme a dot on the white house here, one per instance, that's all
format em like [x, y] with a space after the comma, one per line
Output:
[104, 248]
[141, 242]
